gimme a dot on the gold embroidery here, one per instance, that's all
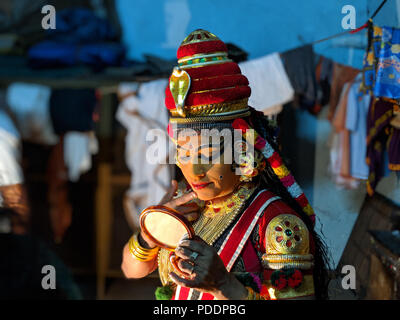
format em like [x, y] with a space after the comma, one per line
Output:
[214, 108]
[279, 261]
[287, 244]
[286, 234]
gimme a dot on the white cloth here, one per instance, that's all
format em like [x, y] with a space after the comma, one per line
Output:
[10, 152]
[140, 113]
[78, 150]
[30, 104]
[269, 83]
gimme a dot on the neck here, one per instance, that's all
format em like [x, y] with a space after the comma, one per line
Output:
[219, 200]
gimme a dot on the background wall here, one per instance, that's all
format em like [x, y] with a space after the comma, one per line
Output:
[259, 27]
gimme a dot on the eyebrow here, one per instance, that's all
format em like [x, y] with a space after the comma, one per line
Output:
[210, 145]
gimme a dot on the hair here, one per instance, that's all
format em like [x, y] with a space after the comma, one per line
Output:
[270, 181]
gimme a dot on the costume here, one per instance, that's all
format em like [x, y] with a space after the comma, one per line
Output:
[259, 238]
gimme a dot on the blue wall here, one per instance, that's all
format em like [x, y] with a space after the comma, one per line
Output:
[258, 26]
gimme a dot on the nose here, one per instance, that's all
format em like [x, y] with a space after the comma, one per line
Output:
[199, 170]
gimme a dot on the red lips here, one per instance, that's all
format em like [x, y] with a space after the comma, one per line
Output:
[200, 185]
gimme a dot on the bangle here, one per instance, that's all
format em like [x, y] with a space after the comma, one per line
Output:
[140, 253]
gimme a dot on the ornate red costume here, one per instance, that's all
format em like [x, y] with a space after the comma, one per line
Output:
[257, 235]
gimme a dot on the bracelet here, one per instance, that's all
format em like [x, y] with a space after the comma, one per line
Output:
[140, 253]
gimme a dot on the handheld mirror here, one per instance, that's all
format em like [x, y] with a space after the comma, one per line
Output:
[165, 226]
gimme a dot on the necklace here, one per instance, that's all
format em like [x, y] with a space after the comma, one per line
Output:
[213, 221]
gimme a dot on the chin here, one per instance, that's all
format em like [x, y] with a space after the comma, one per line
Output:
[206, 195]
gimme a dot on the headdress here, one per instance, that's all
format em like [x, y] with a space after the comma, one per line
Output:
[208, 90]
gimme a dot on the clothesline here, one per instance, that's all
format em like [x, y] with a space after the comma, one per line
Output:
[351, 31]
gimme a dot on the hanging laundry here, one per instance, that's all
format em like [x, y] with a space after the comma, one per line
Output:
[378, 131]
[30, 106]
[79, 147]
[12, 191]
[323, 75]
[300, 66]
[10, 151]
[395, 122]
[72, 109]
[394, 149]
[371, 57]
[340, 75]
[60, 209]
[269, 83]
[142, 109]
[80, 38]
[340, 145]
[356, 122]
[388, 73]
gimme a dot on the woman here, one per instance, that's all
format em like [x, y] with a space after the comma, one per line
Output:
[254, 235]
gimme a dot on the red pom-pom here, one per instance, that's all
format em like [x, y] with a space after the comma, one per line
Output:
[240, 124]
[260, 143]
[295, 279]
[280, 283]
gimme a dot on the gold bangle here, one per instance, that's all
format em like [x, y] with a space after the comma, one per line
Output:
[140, 253]
[139, 247]
[140, 256]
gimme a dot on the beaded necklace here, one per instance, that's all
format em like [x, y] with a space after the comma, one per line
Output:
[215, 219]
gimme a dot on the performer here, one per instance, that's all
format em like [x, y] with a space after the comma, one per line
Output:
[254, 236]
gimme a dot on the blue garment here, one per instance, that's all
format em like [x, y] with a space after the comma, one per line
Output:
[356, 123]
[388, 73]
[53, 54]
[79, 38]
[7, 124]
[80, 26]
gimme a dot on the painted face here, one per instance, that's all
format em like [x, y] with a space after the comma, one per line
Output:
[202, 163]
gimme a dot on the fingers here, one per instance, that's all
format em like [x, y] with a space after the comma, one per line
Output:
[185, 198]
[183, 253]
[188, 207]
[186, 266]
[182, 281]
[174, 187]
[172, 190]
[170, 193]
[194, 245]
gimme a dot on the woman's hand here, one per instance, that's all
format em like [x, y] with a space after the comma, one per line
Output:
[207, 271]
[189, 210]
